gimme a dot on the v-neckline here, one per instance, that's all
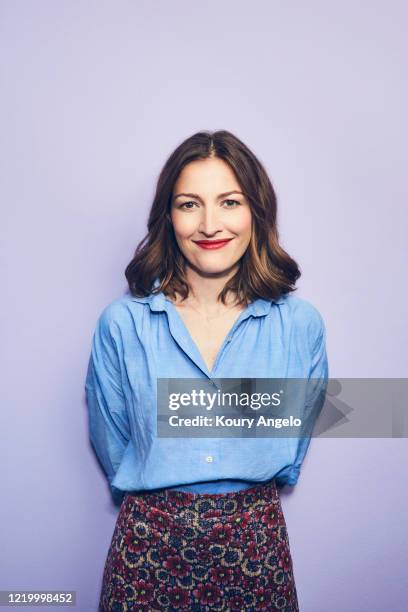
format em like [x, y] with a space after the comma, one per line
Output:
[245, 312]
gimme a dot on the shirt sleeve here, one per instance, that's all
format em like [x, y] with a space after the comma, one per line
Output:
[109, 429]
[316, 387]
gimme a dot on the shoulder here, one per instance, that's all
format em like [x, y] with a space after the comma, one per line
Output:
[304, 316]
[302, 310]
[117, 314]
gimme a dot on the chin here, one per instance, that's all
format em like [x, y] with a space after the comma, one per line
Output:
[215, 269]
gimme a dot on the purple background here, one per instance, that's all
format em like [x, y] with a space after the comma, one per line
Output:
[95, 96]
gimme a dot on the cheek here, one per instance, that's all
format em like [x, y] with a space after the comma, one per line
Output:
[183, 227]
[242, 223]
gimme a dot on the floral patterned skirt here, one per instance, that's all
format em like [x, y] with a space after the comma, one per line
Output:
[191, 552]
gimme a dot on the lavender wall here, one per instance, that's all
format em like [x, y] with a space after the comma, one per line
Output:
[95, 96]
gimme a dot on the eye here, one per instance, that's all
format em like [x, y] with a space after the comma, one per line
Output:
[184, 204]
[234, 202]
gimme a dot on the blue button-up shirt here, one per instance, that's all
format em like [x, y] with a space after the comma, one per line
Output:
[140, 339]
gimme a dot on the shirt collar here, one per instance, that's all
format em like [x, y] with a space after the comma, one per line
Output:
[159, 302]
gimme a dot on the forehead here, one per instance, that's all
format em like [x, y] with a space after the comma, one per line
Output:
[208, 175]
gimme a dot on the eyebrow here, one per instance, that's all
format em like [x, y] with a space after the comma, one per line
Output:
[195, 195]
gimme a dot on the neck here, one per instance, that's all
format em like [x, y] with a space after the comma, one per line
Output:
[205, 289]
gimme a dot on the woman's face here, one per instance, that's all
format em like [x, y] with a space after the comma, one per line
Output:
[208, 205]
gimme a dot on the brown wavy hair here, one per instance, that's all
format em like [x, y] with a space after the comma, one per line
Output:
[266, 270]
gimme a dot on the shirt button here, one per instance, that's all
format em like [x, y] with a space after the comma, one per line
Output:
[209, 458]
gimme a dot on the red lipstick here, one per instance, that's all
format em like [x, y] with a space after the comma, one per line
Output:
[212, 244]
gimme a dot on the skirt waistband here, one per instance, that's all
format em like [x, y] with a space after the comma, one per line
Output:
[206, 505]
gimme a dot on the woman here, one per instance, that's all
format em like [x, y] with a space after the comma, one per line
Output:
[201, 526]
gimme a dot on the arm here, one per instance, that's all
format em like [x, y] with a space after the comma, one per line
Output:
[316, 386]
[108, 420]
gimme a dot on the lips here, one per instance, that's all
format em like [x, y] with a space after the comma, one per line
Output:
[212, 241]
[212, 244]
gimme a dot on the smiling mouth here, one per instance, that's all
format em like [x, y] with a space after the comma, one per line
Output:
[212, 244]
[212, 241]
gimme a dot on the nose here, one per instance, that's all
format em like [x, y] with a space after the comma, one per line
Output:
[209, 221]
